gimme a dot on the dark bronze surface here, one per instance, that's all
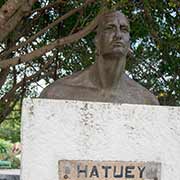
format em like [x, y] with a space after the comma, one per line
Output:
[105, 80]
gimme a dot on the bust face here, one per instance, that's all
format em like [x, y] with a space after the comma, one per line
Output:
[113, 36]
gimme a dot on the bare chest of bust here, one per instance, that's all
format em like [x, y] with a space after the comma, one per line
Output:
[82, 88]
[100, 95]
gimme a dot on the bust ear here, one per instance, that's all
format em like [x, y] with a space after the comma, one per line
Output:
[96, 42]
[96, 36]
[130, 54]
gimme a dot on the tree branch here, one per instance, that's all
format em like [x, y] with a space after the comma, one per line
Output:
[62, 18]
[57, 43]
[7, 11]
[48, 6]
[3, 76]
[11, 14]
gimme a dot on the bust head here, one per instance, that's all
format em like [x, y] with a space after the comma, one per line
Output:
[112, 39]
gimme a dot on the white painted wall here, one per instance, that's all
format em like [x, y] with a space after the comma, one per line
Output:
[53, 130]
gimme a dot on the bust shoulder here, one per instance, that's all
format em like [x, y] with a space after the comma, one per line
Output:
[64, 87]
[138, 91]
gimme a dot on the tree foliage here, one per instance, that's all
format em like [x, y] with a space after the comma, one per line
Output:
[10, 129]
[47, 39]
[12, 160]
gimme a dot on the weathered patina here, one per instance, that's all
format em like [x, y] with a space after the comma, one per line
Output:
[105, 80]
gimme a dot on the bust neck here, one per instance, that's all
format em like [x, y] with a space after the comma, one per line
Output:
[108, 71]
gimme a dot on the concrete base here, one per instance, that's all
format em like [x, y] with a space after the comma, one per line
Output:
[54, 130]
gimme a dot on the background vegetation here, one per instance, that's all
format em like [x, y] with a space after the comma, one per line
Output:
[43, 40]
[8, 159]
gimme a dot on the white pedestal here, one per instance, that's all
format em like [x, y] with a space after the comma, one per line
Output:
[54, 130]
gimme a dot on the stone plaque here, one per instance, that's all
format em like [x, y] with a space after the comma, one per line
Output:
[108, 170]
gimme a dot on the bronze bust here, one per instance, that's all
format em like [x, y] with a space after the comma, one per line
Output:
[105, 80]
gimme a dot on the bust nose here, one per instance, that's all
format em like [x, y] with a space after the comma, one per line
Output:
[118, 33]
